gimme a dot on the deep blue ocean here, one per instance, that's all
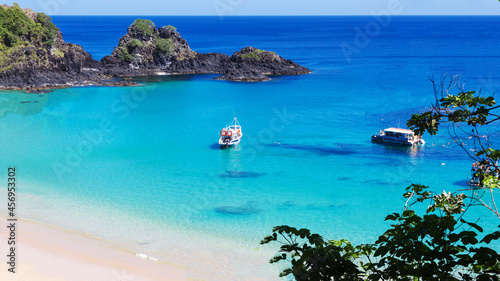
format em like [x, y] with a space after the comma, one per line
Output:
[140, 166]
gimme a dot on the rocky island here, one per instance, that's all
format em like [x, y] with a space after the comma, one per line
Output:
[33, 55]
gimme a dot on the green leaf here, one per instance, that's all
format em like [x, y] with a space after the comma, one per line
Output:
[480, 229]
[492, 236]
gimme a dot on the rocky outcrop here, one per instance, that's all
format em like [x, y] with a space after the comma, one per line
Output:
[34, 55]
[38, 57]
[147, 50]
[251, 64]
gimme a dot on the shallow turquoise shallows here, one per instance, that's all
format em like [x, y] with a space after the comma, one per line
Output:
[141, 165]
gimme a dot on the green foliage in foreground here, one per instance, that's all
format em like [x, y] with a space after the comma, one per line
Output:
[433, 246]
[436, 245]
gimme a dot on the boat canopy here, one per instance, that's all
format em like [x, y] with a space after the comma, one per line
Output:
[399, 130]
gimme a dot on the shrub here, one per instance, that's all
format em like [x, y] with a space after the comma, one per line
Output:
[173, 28]
[58, 53]
[165, 46]
[256, 54]
[134, 44]
[142, 28]
[50, 29]
[440, 245]
[124, 55]
[16, 27]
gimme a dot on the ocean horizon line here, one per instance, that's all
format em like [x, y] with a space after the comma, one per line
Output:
[284, 16]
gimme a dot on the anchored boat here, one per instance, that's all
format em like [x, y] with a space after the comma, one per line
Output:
[398, 136]
[231, 134]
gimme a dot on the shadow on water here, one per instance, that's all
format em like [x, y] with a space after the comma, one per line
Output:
[287, 205]
[24, 104]
[245, 209]
[377, 182]
[241, 174]
[380, 153]
[320, 150]
[461, 183]
[217, 146]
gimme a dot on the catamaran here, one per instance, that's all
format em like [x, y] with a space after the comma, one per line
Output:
[398, 136]
[231, 134]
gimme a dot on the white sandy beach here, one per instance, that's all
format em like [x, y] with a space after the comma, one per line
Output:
[50, 253]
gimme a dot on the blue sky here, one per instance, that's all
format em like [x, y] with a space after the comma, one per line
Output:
[263, 7]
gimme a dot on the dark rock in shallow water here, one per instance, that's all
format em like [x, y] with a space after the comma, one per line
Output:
[377, 182]
[321, 150]
[143, 50]
[246, 209]
[241, 174]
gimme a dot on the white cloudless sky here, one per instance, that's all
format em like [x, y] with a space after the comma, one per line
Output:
[263, 7]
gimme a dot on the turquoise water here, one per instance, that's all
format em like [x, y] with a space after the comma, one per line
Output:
[141, 166]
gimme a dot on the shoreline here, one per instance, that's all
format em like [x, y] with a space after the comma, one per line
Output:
[130, 83]
[199, 254]
[46, 247]
[48, 252]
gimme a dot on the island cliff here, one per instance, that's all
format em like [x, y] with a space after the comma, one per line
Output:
[33, 54]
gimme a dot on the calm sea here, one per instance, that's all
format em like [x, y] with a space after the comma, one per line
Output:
[141, 166]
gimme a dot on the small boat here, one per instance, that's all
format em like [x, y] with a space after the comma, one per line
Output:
[231, 134]
[398, 136]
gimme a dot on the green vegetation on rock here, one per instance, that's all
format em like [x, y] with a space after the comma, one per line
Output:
[50, 29]
[165, 46]
[134, 44]
[142, 28]
[173, 28]
[26, 41]
[156, 46]
[58, 53]
[16, 28]
[124, 55]
[256, 54]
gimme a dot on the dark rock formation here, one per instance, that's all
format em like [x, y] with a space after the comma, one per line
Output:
[251, 64]
[39, 58]
[36, 56]
[146, 50]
